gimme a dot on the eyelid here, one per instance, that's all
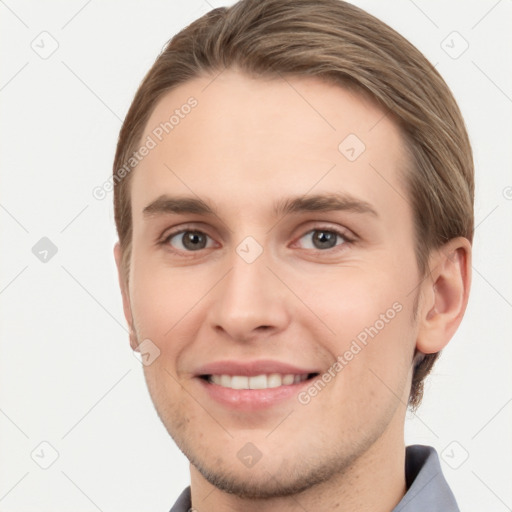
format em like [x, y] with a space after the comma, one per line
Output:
[193, 226]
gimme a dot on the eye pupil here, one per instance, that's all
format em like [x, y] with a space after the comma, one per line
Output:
[324, 239]
[194, 240]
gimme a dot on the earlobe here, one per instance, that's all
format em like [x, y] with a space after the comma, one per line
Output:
[123, 284]
[445, 293]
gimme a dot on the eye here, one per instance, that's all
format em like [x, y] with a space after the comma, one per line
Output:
[188, 240]
[321, 239]
[193, 240]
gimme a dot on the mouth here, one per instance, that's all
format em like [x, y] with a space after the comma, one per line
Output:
[250, 386]
[257, 382]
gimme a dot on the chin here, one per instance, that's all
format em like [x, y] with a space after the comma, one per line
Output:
[262, 483]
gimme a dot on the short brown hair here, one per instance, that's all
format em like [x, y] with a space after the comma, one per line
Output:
[342, 44]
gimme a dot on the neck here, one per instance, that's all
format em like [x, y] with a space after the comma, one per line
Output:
[375, 481]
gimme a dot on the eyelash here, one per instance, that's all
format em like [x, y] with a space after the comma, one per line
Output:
[347, 239]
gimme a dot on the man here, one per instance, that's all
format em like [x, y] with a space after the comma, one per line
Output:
[294, 203]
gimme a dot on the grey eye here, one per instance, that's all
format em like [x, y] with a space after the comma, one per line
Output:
[189, 240]
[322, 239]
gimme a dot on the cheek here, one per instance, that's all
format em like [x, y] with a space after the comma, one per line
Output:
[371, 316]
[371, 377]
[159, 300]
[352, 301]
[167, 309]
[161, 306]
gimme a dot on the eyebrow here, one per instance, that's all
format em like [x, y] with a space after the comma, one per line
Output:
[166, 204]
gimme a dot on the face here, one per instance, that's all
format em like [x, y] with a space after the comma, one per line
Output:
[273, 268]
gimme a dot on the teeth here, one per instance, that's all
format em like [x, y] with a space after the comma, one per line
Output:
[288, 379]
[217, 379]
[239, 382]
[263, 381]
[258, 382]
[274, 380]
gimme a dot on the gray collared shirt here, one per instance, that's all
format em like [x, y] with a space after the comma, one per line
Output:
[427, 489]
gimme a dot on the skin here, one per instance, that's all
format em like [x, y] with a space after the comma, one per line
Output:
[249, 143]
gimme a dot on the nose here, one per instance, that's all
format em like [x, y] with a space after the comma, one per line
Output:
[250, 301]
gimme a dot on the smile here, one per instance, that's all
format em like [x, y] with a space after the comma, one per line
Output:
[252, 385]
[263, 381]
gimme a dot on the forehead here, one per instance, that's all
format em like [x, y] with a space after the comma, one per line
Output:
[265, 138]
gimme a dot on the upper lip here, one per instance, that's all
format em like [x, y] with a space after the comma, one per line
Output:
[251, 368]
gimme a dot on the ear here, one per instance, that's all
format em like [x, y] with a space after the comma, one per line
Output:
[445, 294]
[125, 293]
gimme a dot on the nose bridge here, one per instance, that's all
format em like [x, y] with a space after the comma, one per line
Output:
[249, 297]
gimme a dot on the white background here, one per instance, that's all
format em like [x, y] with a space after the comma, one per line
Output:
[67, 374]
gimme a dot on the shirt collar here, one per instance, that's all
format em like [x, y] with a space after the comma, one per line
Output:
[427, 489]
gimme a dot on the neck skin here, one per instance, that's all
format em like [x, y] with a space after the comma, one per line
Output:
[375, 481]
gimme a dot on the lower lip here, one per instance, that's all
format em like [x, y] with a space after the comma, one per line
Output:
[252, 399]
